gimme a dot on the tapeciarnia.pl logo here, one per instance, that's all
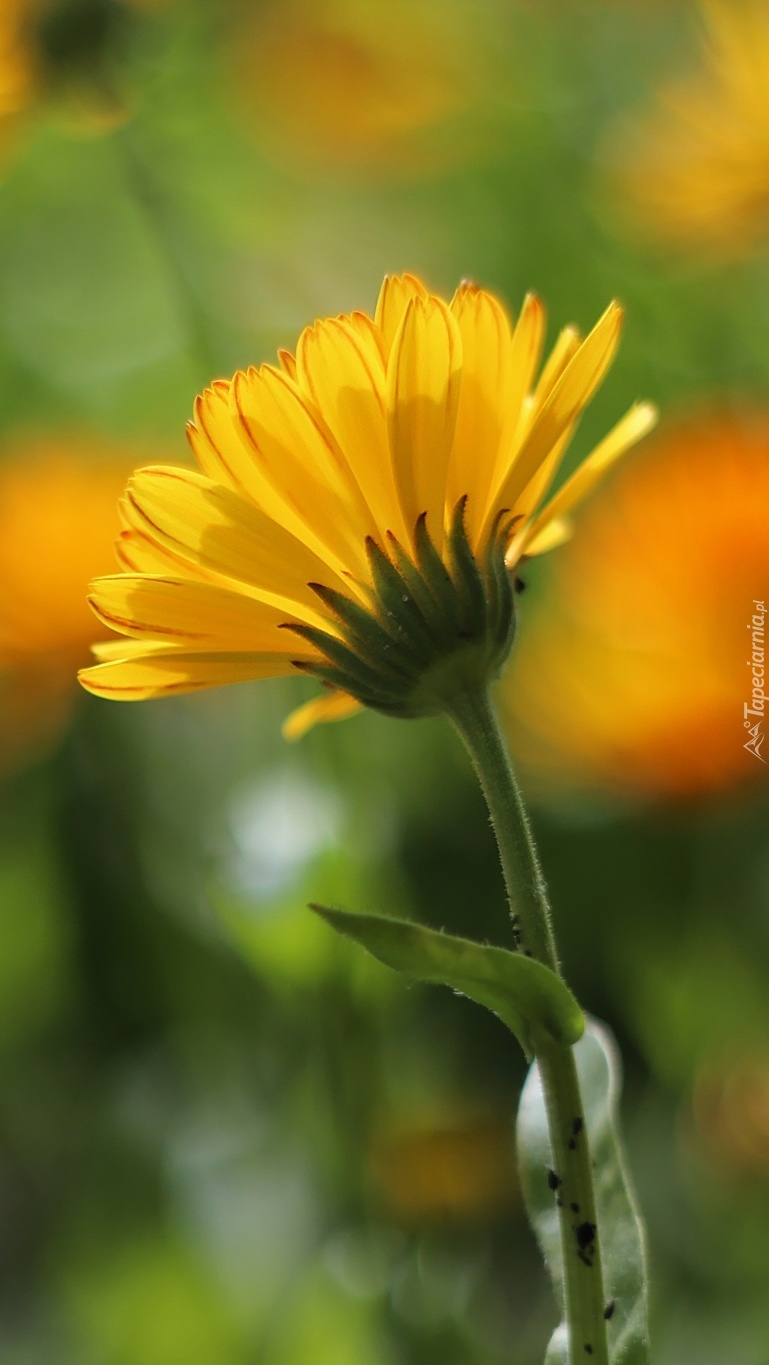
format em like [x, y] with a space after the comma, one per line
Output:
[757, 704]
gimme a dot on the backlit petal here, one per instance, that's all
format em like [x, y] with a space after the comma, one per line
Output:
[571, 392]
[165, 674]
[301, 461]
[483, 400]
[331, 706]
[396, 293]
[340, 367]
[549, 537]
[192, 615]
[633, 426]
[422, 397]
[214, 529]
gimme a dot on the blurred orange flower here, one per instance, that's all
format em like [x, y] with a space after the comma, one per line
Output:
[373, 86]
[58, 525]
[695, 169]
[632, 677]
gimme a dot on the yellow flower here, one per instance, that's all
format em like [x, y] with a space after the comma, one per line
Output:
[652, 606]
[355, 508]
[57, 508]
[696, 169]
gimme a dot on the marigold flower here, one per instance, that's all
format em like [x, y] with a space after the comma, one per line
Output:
[695, 169]
[357, 508]
[652, 606]
[57, 506]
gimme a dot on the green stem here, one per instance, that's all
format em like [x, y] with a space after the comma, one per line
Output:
[473, 715]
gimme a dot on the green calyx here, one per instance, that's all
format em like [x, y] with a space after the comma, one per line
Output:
[434, 629]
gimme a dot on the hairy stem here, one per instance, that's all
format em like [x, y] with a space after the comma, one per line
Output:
[571, 1177]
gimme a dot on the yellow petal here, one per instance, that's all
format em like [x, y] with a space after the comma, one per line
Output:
[169, 673]
[567, 344]
[215, 529]
[569, 395]
[525, 399]
[137, 552]
[331, 706]
[525, 352]
[528, 544]
[192, 615]
[484, 399]
[394, 297]
[301, 461]
[422, 396]
[340, 368]
[107, 651]
[218, 449]
[632, 427]
[287, 363]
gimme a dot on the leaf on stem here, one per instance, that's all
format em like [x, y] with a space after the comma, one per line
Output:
[622, 1238]
[525, 994]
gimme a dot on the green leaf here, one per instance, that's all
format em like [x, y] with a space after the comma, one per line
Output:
[526, 995]
[622, 1236]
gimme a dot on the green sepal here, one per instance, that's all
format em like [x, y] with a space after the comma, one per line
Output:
[415, 585]
[368, 635]
[471, 593]
[402, 601]
[363, 676]
[500, 584]
[623, 1252]
[435, 574]
[527, 996]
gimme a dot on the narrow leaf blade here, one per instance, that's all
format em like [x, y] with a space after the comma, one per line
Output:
[622, 1238]
[526, 995]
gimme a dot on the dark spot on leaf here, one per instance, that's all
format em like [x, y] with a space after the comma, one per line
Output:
[553, 1180]
[608, 1311]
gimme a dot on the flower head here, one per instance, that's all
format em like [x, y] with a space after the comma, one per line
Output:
[653, 606]
[695, 170]
[359, 508]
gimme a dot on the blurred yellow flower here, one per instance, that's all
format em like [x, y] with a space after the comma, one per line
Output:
[376, 86]
[695, 169]
[631, 677]
[68, 58]
[355, 507]
[16, 65]
[58, 520]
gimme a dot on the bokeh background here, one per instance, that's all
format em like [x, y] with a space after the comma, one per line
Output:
[225, 1137]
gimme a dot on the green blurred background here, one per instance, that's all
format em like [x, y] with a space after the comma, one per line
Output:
[225, 1138]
